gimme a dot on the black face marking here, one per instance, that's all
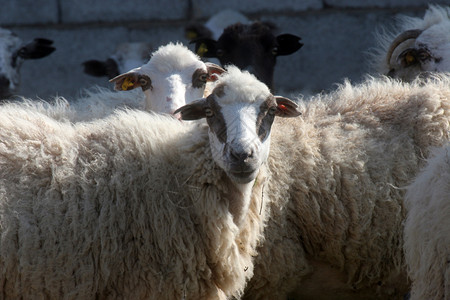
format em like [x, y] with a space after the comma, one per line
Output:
[266, 117]
[145, 82]
[199, 78]
[216, 121]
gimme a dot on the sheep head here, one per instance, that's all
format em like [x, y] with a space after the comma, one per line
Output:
[173, 77]
[418, 52]
[12, 54]
[253, 47]
[240, 112]
[126, 57]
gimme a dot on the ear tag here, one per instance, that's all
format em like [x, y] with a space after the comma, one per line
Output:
[282, 107]
[127, 83]
[202, 49]
[191, 34]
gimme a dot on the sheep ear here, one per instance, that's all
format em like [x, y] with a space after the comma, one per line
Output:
[205, 47]
[192, 111]
[288, 44]
[286, 108]
[35, 49]
[131, 80]
[213, 71]
[98, 68]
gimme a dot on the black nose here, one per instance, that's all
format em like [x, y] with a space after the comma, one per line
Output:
[240, 155]
[4, 82]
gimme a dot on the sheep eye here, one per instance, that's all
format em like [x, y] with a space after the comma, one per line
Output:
[274, 50]
[203, 77]
[409, 59]
[143, 81]
[208, 112]
[272, 111]
[219, 52]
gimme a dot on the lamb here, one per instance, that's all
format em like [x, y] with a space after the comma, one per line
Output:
[427, 229]
[126, 57]
[12, 54]
[336, 190]
[418, 47]
[249, 46]
[137, 205]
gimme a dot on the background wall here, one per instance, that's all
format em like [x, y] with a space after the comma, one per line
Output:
[336, 35]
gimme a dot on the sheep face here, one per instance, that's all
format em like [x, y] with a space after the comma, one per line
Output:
[173, 77]
[126, 57]
[252, 47]
[12, 54]
[239, 112]
[416, 52]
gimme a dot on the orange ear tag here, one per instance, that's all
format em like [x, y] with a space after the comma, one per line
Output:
[127, 83]
[282, 107]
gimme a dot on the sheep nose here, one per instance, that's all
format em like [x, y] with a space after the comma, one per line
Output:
[4, 82]
[241, 155]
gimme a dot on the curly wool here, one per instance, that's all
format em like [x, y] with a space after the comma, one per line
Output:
[427, 229]
[336, 187]
[128, 207]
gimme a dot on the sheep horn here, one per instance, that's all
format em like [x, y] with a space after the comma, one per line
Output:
[409, 34]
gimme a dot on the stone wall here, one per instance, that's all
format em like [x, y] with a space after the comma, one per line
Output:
[336, 34]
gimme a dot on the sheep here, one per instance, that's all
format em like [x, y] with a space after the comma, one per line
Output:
[427, 229]
[335, 188]
[214, 27]
[12, 54]
[127, 56]
[137, 205]
[249, 46]
[172, 77]
[418, 47]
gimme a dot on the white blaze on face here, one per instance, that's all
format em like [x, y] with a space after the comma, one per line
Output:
[237, 144]
[173, 90]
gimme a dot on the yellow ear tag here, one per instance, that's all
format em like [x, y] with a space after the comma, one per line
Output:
[191, 34]
[127, 83]
[202, 50]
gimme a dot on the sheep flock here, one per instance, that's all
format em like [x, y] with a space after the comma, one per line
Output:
[191, 179]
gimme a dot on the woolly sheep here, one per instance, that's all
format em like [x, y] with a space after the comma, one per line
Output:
[254, 47]
[427, 229]
[334, 185]
[136, 205]
[419, 46]
[126, 57]
[173, 76]
[12, 54]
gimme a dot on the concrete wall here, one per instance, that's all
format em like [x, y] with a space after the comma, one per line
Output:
[336, 35]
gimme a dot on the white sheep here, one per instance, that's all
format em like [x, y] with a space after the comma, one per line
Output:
[137, 205]
[127, 56]
[13, 51]
[417, 47]
[172, 77]
[335, 188]
[427, 229]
